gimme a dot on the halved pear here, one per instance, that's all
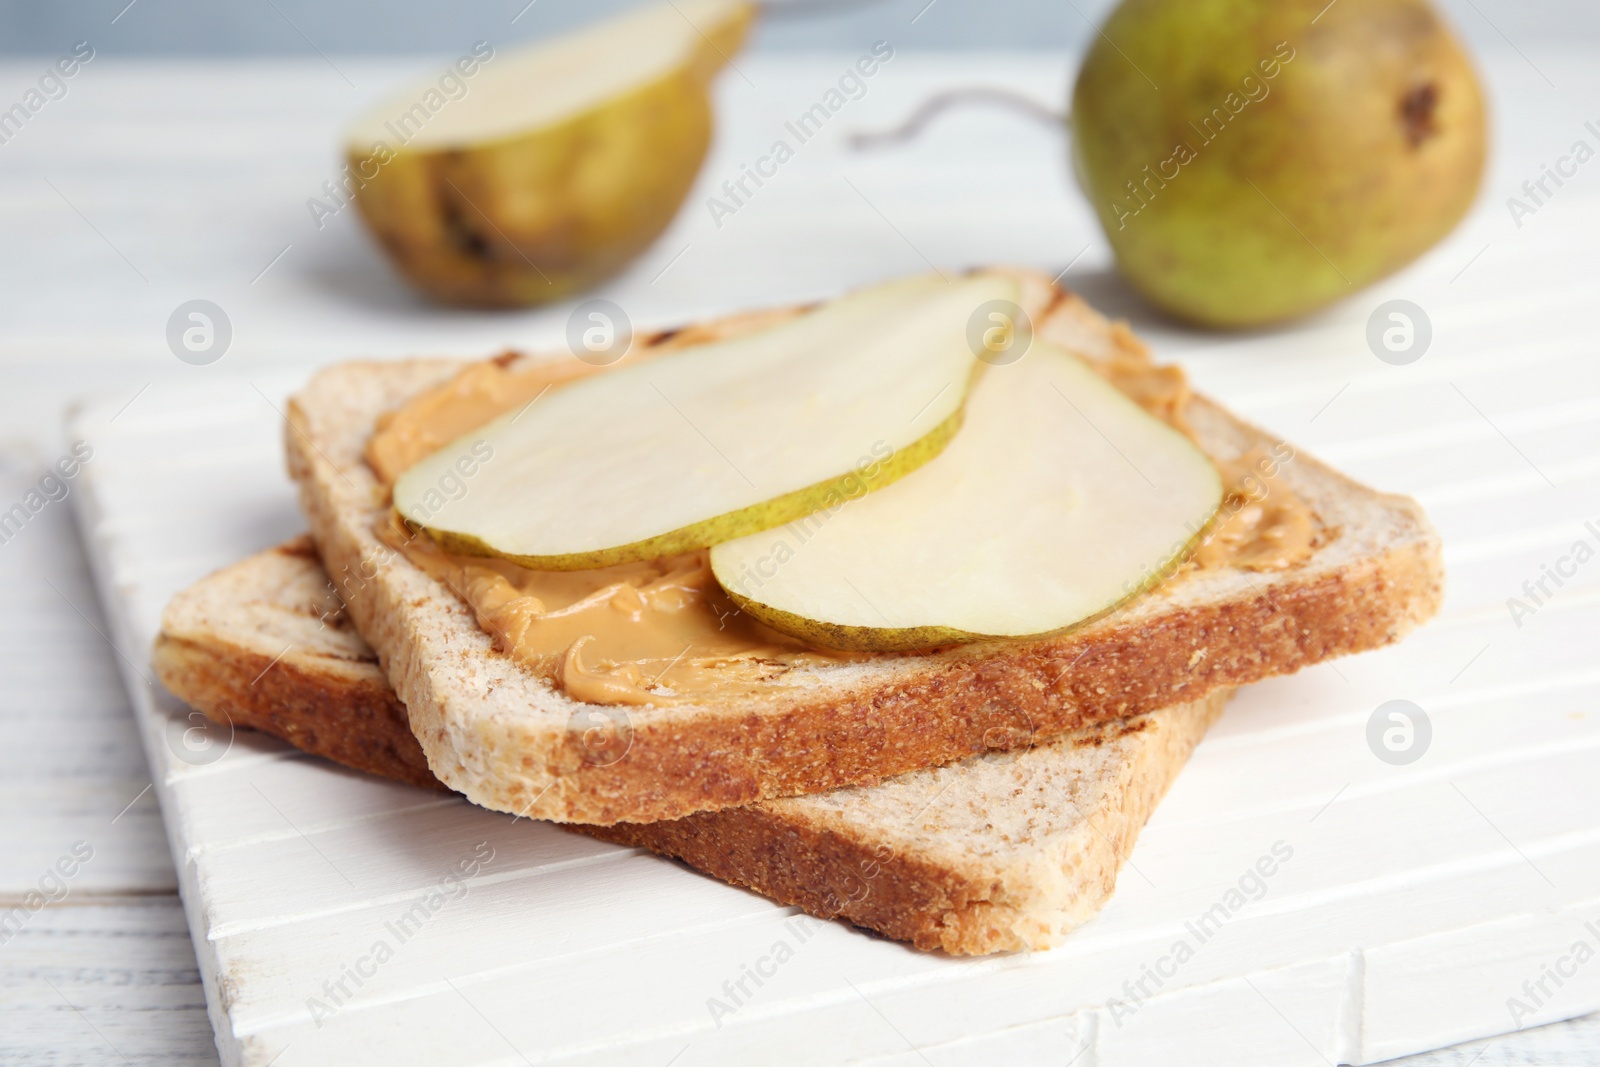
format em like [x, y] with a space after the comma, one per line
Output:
[1059, 499]
[549, 167]
[715, 441]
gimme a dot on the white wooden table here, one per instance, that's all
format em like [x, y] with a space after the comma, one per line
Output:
[150, 185]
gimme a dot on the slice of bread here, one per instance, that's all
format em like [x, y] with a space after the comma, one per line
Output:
[513, 741]
[1004, 851]
[267, 644]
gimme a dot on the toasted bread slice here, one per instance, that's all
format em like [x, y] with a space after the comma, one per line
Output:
[512, 741]
[267, 644]
[1004, 851]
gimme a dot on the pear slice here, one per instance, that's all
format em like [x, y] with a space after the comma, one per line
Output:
[1059, 499]
[715, 441]
[521, 177]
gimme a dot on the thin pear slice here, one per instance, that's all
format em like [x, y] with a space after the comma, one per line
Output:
[716, 441]
[522, 176]
[1059, 499]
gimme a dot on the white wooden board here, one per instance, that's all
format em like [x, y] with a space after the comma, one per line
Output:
[1418, 900]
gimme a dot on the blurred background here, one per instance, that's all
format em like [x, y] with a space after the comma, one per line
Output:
[379, 27]
[192, 159]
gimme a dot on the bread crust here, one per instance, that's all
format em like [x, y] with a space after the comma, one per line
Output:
[355, 722]
[505, 738]
[782, 850]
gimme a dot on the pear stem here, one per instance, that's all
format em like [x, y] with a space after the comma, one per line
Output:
[778, 9]
[939, 103]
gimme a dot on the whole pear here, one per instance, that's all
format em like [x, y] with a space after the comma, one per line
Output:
[1253, 160]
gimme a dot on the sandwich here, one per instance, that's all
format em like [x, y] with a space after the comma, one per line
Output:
[949, 768]
[560, 562]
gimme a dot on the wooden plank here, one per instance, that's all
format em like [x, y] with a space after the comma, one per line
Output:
[103, 984]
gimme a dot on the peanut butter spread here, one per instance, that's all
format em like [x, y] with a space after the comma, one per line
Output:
[1261, 525]
[662, 631]
[658, 631]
